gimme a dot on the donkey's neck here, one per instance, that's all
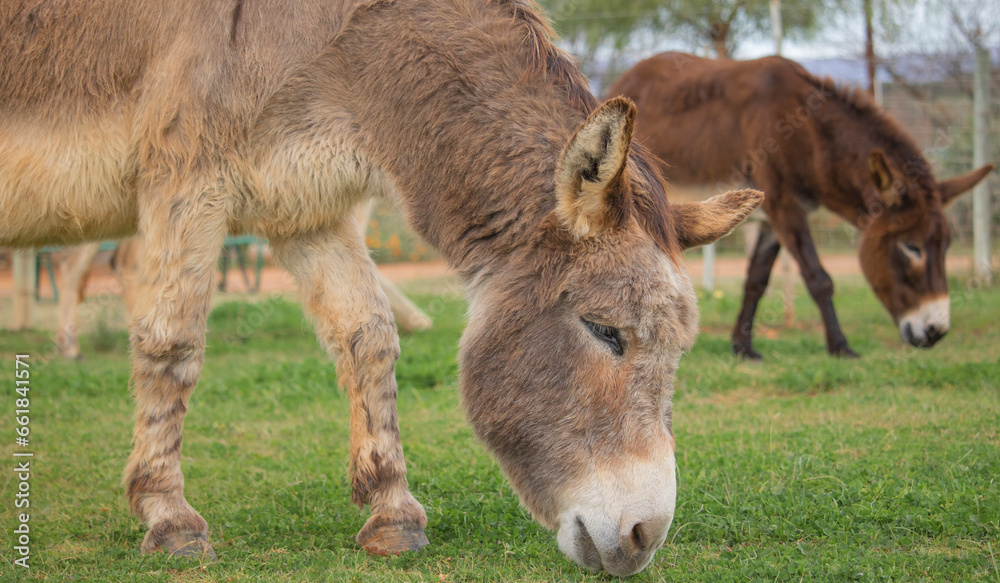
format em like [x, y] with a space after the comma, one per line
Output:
[453, 102]
[857, 128]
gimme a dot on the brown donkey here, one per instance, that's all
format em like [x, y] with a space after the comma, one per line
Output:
[805, 143]
[188, 120]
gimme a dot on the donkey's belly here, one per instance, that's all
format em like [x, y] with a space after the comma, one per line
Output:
[307, 182]
[65, 182]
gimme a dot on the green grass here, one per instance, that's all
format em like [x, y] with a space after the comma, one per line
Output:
[802, 468]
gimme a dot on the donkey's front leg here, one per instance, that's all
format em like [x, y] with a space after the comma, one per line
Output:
[354, 323]
[758, 273]
[183, 238]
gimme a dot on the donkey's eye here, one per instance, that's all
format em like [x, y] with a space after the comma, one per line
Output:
[611, 336]
[912, 249]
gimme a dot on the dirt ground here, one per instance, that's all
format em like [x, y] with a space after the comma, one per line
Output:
[729, 270]
[274, 279]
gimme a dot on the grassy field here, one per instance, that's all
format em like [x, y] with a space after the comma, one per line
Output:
[803, 468]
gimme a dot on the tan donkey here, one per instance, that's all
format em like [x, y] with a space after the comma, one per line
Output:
[189, 120]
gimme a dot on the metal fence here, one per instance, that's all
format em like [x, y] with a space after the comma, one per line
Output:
[939, 116]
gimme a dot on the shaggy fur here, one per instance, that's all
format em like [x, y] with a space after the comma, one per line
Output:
[186, 121]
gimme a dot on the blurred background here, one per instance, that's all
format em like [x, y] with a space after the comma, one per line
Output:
[917, 58]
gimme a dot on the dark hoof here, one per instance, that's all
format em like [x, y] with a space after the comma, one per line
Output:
[844, 352]
[186, 544]
[745, 352]
[391, 539]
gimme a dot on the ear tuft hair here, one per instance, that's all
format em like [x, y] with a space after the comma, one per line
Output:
[700, 223]
[954, 187]
[878, 167]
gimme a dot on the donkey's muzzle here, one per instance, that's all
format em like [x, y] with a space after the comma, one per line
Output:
[616, 515]
[928, 323]
[925, 339]
[636, 543]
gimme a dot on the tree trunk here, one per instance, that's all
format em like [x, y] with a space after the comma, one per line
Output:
[777, 31]
[719, 35]
[982, 262]
[870, 43]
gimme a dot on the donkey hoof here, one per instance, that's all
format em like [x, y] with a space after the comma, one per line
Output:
[188, 544]
[392, 539]
[747, 353]
[844, 352]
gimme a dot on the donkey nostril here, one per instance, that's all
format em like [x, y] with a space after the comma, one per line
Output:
[934, 334]
[639, 537]
[637, 542]
[586, 547]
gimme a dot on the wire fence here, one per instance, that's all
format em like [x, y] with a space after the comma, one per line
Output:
[939, 116]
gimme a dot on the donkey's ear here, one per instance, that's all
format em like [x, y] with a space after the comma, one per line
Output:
[882, 177]
[700, 223]
[592, 183]
[953, 187]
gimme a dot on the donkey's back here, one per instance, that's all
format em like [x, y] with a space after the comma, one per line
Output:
[68, 82]
[71, 58]
[99, 100]
[702, 116]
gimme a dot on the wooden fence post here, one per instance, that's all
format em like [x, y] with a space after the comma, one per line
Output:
[24, 289]
[981, 195]
[708, 267]
[784, 261]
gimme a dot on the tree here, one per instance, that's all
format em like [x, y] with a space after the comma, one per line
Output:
[869, 11]
[883, 21]
[719, 24]
[976, 25]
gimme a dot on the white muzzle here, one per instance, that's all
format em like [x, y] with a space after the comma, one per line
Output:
[927, 324]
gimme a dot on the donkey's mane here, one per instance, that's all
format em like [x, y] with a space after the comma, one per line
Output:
[548, 59]
[650, 206]
[896, 142]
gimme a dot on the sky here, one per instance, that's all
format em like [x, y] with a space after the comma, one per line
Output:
[925, 26]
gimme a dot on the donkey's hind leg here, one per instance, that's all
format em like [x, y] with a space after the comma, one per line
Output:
[339, 290]
[182, 242]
